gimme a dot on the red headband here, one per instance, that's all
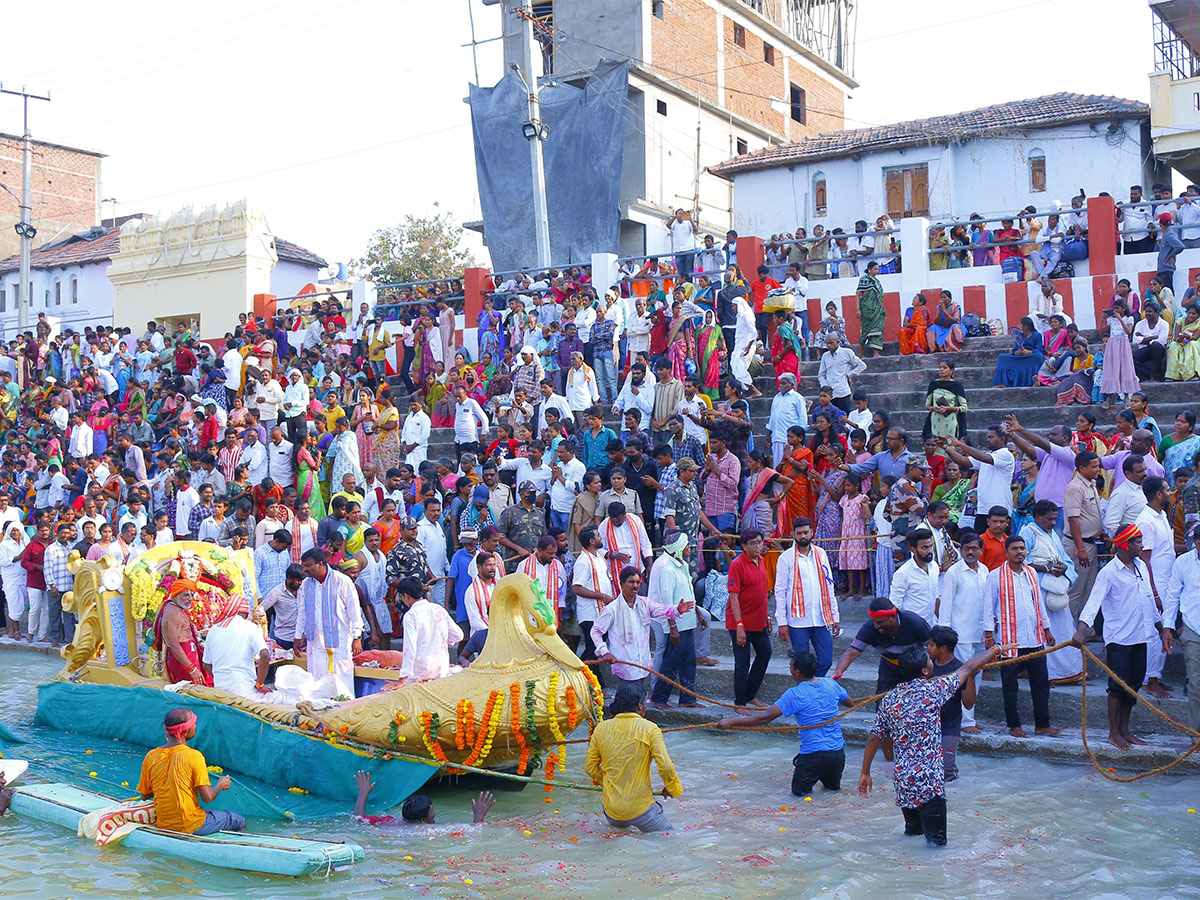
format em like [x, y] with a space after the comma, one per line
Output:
[883, 613]
[178, 731]
[1125, 535]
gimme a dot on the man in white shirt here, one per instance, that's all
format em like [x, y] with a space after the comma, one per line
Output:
[683, 242]
[186, 499]
[996, 465]
[479, 594]
[837, 367]
[231, 365]
[281, 460]
[580, 386]
[58, 414]
[961, 607]
[1014, 612]
[80, 446]
[592, 587]
[1127, 501]
[1189, 217]
[787, 409]
[254, 456]
[236, 653]
[431, 536]
[530, 467]
[414, 436]
[1136, 236]
[1183, 601]
[636, 393]
[268, 394]
[1123, 592]
[1158, 552]
[1150, 338]
[376, 491]
[566, 482]
[625, 541]
[550, 400]
[429, 632]
[329, 647]
[806, 607]
[469, 422]
[915, 584]
[711, 261]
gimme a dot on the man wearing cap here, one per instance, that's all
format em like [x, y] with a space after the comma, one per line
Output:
[528, 372]
[890, 631]
[522, 524]
[1169, 246]
[477, 514]
[407, 559]
[1123, 593]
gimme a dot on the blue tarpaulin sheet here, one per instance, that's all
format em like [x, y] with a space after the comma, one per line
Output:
[583, 158]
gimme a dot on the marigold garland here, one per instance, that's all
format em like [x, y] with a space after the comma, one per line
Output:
[491, 720]
[429, 726]
[551, 764]
[572, 708]
[464, 733]
[515, 725]
[597, 698]
[395, 738]
[552, 714]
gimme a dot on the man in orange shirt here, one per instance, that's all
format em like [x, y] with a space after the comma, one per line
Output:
[993, 555]
[176, 776]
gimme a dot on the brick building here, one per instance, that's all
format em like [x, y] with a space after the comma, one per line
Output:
[709, 79]
[66, 191]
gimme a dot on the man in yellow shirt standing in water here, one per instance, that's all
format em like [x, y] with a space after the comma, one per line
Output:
[176, 776]
[618, 759]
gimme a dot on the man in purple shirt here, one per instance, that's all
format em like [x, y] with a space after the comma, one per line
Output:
[1141, 443]
[1056, 459]
[568, 345]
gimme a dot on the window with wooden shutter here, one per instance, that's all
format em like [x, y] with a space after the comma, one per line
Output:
[1037, 171]
[820, 195]
[907, 191]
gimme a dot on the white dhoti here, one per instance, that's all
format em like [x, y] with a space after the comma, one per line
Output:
[339, 665]
[1067, 662]
[1155, 658]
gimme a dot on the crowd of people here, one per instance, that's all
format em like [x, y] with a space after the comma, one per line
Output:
[291, 439]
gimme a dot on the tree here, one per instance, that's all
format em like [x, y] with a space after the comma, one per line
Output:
[421, 248]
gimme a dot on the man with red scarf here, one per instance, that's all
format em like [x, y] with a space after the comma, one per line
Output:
[1013, 605]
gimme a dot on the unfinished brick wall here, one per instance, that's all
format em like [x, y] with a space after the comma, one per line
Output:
[66, 190]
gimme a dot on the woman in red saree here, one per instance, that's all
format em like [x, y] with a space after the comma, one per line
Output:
[786, 346]
[913, 337]
[797, 465]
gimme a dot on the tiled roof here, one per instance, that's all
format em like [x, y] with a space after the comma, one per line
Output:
[1019, 115]
[290, 252]
[103, 242]
[96, 245]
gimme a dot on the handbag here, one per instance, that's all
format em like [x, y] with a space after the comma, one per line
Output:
[1075, 250]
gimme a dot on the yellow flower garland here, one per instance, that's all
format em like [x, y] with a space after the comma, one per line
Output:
[597, 698]
[555, 728]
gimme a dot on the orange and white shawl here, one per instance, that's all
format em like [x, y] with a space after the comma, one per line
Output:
[554, 579]
[1008, 606]
[824, 577]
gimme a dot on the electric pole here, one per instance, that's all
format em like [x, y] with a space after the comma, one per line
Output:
[25, 228]
[535, 131]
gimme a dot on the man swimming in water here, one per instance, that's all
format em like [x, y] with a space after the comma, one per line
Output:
[417, 809]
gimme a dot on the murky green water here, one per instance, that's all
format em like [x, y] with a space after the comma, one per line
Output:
[1018, 828]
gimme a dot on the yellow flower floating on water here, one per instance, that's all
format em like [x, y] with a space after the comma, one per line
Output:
[91, 774]
[297, 790]
[216, 770]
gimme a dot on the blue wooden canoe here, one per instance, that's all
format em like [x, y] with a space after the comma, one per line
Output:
[65, 805]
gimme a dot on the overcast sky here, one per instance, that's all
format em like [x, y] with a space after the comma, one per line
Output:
[337, 121]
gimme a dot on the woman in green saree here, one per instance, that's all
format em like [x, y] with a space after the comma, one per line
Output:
[711, 351]
[871, 314]
[307, 478]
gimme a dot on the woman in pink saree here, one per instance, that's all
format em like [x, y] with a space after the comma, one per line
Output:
[681, 341]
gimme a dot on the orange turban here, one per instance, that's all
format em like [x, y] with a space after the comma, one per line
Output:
[180, 585]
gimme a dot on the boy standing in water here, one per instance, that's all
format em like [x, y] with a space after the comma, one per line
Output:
[910, 715]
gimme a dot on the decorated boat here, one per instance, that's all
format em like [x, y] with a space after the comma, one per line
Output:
[513, 706]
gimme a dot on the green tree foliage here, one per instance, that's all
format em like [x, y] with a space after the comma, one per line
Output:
[418, 249]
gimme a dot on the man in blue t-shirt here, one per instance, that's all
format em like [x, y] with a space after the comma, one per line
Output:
[813, 702]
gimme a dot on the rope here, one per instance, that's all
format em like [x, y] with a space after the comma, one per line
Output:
[859, 704]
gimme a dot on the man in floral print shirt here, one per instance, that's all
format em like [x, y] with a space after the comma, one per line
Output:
[910, 715]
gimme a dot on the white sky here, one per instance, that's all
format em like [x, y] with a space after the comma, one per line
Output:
[338, 121]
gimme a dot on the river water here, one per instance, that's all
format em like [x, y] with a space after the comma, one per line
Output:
[1018, 828]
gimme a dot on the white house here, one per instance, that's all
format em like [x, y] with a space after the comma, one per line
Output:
[992, 160]
[70, 278]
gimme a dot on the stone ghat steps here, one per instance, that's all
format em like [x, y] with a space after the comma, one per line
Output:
[1066, 702]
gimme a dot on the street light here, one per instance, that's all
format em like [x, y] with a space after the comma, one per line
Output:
[535, 130]
[25, 231]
